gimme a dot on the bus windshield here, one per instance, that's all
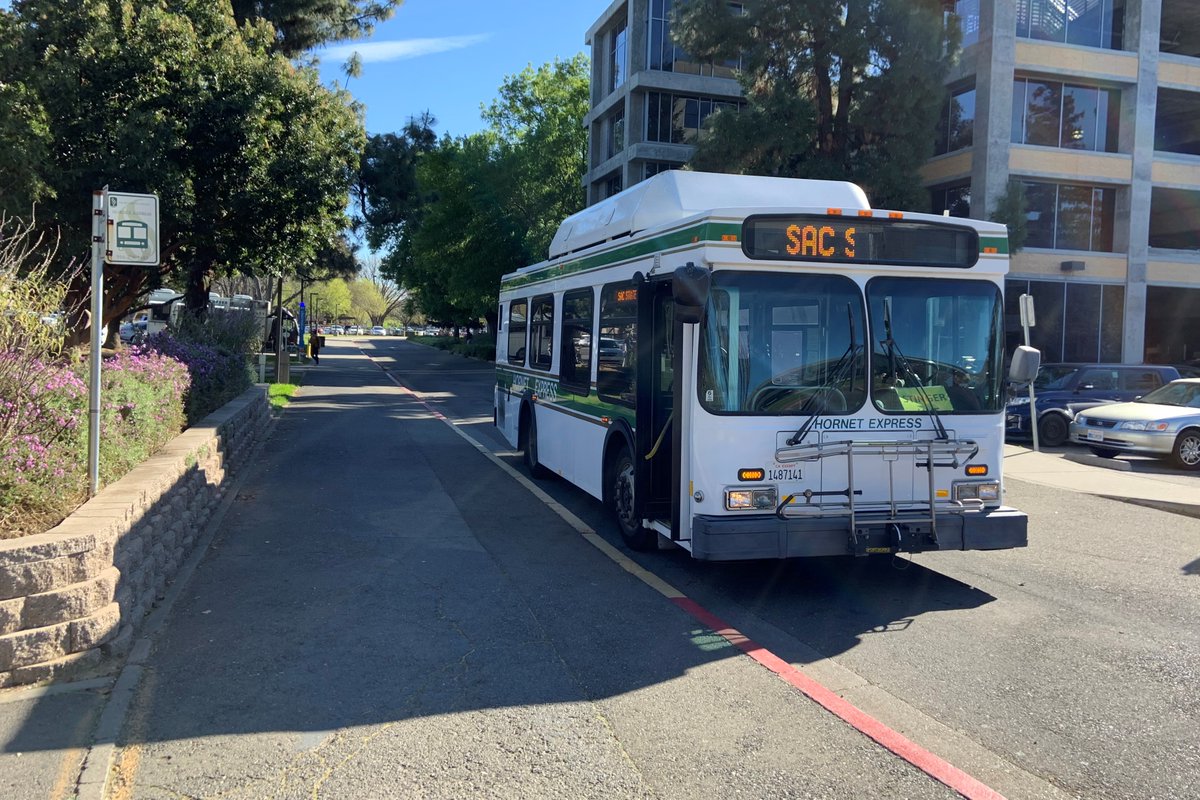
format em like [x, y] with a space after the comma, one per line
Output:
[779, 343]
[946, 345]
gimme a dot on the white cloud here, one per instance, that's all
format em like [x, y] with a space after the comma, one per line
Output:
[372, 52]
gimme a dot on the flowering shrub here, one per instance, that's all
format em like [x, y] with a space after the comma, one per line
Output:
[43, 430]
[141, 408]
[43, 423]
[217, 375]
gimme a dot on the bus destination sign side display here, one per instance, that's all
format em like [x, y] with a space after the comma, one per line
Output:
[859, 240]
[132, 229]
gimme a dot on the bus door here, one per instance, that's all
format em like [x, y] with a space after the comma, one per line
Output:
[658, 364]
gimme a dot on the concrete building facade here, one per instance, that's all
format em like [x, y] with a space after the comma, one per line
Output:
[1093, 106]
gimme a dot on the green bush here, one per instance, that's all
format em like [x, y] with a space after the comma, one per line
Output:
[482, 346]
[214, 350]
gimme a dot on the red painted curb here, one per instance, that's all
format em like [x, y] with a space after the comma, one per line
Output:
[899, 744]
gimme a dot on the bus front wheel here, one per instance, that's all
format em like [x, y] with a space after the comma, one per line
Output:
[637, 537]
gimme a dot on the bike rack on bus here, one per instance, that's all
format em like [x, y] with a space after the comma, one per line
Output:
[937, 453]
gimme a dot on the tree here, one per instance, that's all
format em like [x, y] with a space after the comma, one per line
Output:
[489, 203]
[301, 25]
[847, 90]
[250, 155]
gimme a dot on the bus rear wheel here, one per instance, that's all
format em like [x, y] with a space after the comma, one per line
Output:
[632, 532]
[529, 449]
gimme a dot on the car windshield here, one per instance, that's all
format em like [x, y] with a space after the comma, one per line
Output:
[1054, 376]
[1174, 394]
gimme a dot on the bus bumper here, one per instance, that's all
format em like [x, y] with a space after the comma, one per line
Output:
[768, 536]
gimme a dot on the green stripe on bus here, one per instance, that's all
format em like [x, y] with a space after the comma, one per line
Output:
[703, 233]
[590, 405]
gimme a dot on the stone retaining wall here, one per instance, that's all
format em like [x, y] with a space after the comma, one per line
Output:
[72, 597]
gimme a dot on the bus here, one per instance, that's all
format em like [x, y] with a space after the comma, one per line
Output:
[753, 367]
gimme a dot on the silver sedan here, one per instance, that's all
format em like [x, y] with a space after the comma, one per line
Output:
[1164, 423]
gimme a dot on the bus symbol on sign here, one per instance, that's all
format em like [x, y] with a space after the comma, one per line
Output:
[132, 229]
[133, 233]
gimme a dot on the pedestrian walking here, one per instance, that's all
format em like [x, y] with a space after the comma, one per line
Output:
[314, 346]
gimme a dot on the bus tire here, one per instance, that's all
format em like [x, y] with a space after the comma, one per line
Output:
[632, 532]
[528, 441]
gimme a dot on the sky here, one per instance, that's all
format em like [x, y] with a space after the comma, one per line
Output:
[449, 57]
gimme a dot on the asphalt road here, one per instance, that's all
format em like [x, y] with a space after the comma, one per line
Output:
[386, 613]
[1072, 663]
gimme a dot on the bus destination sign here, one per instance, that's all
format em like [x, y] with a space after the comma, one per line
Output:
[859, 240]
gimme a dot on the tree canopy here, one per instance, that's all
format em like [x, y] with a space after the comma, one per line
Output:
[453, 216]
[251, 157]
[844, 90]
[301, 25]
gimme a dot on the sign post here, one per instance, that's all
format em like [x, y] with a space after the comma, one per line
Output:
[124, 231]
[1028, 320]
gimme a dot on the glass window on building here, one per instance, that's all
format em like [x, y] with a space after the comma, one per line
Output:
[1075, 321]
[613, 184]
[957, 123]
[652, 168]
[663, 54]
[1069, 217]
[1175, 218]
[1177, 122]
[956, 199]
[616, 133]
[1179, 34]
[1053, 114]
[678, 119]
[617, 64]
[967, 14]
[1092, 23]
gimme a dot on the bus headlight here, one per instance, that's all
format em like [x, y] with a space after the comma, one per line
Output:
[760, 498]
[984, 491]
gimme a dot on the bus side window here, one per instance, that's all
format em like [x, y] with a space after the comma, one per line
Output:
[541, 332]
[616, 348]
[575, 358]
[516, 332]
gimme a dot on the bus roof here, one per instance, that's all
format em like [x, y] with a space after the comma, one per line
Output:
[677, 194]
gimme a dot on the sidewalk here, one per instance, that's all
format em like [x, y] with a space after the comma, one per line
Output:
[1140, 481]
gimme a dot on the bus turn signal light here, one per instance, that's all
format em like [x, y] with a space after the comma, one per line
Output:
[751, 474]
[977, 469]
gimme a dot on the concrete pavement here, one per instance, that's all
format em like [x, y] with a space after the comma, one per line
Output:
[1136, 480]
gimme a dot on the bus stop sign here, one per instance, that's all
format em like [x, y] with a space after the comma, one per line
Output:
[132, 229]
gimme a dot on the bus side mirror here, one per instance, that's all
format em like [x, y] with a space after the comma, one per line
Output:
[1025, 364]
[689, 287]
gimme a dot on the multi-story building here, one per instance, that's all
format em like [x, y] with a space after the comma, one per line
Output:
[1092, 105]
[650, 99]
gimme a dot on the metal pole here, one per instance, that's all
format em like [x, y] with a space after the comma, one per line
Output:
[281, 352]
[99, 232]
[1028, 319]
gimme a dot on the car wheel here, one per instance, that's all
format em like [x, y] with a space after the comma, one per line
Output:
[1104, 452]
[529, 451]
[1052, 430]
[1186, 453]
[637, 537]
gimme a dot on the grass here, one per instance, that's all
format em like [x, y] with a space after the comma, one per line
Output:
[280, 394]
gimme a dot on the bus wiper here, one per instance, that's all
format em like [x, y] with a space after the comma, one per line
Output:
[896, 358]
[842, 369]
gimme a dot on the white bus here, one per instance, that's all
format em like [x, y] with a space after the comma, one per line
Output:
[754, 367]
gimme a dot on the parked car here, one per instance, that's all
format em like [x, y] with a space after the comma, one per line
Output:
[353, 330]
[333, 330]
[1063, 390]
[611, 351]
[1165, 423]
[379, 330]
